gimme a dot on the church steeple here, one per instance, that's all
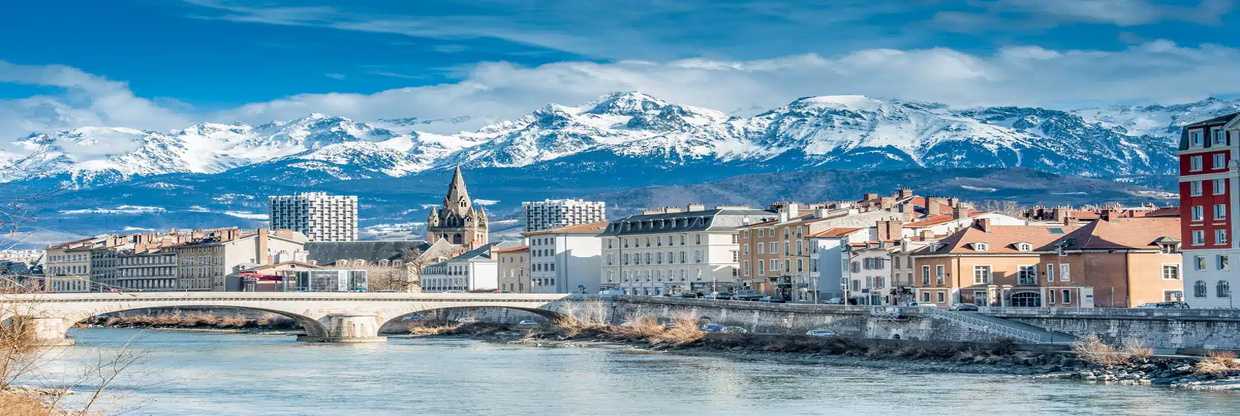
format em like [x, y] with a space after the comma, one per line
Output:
[457, 200]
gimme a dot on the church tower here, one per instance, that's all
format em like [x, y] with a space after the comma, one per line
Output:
[457, 221]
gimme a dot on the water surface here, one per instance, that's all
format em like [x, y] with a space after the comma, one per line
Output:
[190, 373]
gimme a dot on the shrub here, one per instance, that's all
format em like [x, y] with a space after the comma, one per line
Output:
[1215, 363]
[1094, 351]
[683, 331]
[1135, 349]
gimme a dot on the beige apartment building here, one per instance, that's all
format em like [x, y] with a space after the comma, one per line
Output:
[676, 250]
[514, 268]
[983, 264]
[1111, 263]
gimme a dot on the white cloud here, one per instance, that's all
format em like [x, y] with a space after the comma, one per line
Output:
[118, 210]
[85, 99]
[485, 202]
[1155, 71]
[246, 215]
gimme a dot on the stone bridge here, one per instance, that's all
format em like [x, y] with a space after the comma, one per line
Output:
[325, 317]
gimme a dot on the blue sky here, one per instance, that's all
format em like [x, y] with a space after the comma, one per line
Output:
[163, 64]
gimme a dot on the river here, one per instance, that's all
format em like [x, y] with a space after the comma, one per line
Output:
[195, 373]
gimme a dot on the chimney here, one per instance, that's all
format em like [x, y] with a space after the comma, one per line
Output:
[957, 212]
[260, 247]
[889, 230]
[983, 224]
[794, 209]
[904, 192]
[934, 206]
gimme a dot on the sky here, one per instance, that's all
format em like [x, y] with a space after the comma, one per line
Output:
[154, 64]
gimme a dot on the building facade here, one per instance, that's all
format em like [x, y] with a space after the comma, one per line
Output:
[566, 259]
[1209, 203]
[474, 271]
[983, 264]
[673, 250]
[556, 213]
[317, 215]
[457, 221]
[1110, 263]
[514, 268]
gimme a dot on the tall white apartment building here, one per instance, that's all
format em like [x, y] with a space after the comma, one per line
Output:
[557, 213]
[317, 215]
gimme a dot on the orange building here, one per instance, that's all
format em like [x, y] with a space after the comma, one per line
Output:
[1112, 263]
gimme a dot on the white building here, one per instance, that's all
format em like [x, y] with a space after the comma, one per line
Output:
[474, 271]
[829, 260]
[556, 213]
[566, 259]
[672, 250]
[317, 215]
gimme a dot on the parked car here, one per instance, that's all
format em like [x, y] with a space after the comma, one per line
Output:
[769, 299]
[735, 330]
[527, 323]
[712, 328]
[606, 293]
[820, 332]
[834, 301]
[749, 297]
[1166, 305]
[964, 307]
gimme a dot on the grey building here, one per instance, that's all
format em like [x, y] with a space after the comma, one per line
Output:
[321, 217]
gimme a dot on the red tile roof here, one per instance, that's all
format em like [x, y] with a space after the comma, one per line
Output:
[834, 232]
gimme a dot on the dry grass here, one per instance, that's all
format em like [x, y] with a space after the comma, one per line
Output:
[1219, 362]
[428, 328]
[640, 327]
[1135, 349]
[1094, 351]
[21, 403]
[682, 331]
[196, 319]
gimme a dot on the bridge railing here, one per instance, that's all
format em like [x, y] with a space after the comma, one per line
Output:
[1112, 313]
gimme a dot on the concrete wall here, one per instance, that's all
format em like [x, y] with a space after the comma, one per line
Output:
[1165, 330]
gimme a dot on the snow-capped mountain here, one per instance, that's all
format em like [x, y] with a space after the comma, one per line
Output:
[845, 132]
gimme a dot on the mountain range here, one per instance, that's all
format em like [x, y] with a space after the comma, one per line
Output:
[78, 181]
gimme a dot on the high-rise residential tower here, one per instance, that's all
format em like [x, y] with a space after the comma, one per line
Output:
[557, 213]
[317, 215]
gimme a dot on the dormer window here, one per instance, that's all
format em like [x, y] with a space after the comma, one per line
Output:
[981, 246]
[1220, 137]
[1195, 137]
[1024, 247]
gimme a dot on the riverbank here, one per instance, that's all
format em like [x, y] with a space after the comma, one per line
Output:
[27, 402]
[1219, 372]
[196, 320]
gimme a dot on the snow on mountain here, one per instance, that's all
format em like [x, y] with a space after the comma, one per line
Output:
[1158, 120]
[850, 132]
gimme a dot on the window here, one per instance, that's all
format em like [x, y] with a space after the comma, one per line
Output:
[1171, 272]
[1199, 263]
[981, 274]
[1219, 136]
[1024, 247]
[938, 274]
[1050, 273]
[1195, 188]
[1220, 236]
[1050, 297]
[1220, 186]
[1220, 212]
[1067, 296]
[1195, 163]
[980, 246]
[1065, 271]
[1195, 137]
[1223, 262]
[925, 297]
[925, 275]
[1199, 213]
[1027, 275]
[1199, 289]
[1220, 160]
[941, 296]
[1199, 237]
[1223, 289]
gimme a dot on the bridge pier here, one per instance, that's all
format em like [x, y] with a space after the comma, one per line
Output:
[347, 328]
[48, 332]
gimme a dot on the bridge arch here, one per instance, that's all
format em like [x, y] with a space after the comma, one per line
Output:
[543, 313]
[313, 327]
